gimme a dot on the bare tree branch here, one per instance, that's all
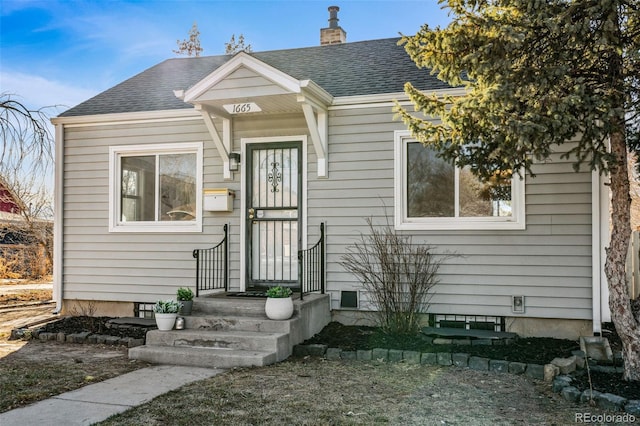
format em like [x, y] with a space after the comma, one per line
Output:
[26, 164]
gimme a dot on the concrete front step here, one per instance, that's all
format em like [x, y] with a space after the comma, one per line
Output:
[228, 332]
[277, 343]
[202, 357]
[229, 306]
[229, 323]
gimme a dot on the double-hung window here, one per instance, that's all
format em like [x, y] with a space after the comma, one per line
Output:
[433, 194]
[156, 188]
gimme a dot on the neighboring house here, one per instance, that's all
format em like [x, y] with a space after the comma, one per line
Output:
[10, 234]
[24, 244]
[9, 204]
[143, 177]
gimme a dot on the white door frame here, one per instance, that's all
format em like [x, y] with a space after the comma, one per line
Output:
[243, 199]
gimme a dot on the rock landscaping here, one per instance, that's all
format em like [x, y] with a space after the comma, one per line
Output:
[129, 332]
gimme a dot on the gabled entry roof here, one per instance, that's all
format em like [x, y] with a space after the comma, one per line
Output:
[245, 78]
[349, 69]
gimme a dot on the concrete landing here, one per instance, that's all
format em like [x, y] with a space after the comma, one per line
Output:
[97, 402]
[198, 357]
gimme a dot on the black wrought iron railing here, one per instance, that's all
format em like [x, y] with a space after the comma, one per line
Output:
[311, 267]
[212, 270]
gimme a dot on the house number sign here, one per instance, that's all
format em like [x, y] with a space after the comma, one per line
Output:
[242, 108]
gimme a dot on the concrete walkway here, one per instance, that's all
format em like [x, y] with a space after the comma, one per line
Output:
[12, 288]
[99, 401]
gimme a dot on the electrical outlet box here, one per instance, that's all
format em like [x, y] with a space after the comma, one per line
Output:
[517, 304]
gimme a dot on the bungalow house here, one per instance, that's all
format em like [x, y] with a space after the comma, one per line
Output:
[270, 151]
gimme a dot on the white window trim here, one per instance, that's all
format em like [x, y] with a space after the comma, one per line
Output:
[115, 152]
[402, 222]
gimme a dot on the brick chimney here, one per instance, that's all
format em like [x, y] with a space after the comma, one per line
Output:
[334, 34]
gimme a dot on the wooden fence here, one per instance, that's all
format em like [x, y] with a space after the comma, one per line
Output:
[633, 265]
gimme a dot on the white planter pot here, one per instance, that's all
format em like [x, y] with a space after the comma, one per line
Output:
[165, 322]
[279, 308]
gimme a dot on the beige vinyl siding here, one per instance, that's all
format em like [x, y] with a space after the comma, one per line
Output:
[141, 267]
[242, 83]
[549, 262]
[135, 267]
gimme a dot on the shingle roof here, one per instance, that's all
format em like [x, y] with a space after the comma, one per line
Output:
[349, 69]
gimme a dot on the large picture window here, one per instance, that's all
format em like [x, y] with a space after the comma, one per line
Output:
[431, 193]
[156, 188]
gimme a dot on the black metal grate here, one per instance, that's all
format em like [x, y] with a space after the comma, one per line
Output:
[143, 310]
[349, 299]
[311, 267]
[467, 322]
[212, 269]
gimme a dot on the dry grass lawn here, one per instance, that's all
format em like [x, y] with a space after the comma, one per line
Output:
[318, 392]
[39, 370]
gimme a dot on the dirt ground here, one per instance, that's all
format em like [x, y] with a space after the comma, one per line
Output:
[22, 303]
[33, 370]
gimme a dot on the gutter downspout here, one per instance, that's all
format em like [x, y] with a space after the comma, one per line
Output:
[600, 236]
[596, 259]
[605, 240]
[58, 218]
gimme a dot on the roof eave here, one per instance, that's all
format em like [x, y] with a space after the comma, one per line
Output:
[128, 117]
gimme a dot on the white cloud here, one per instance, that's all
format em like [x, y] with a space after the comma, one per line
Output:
[36, 91]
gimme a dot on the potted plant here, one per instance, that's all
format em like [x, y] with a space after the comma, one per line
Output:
[279, 305]
[166, 312]
[185, 295]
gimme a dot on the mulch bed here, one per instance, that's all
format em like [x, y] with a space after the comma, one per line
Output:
[96, 325]
[527, 350]
[607, 383]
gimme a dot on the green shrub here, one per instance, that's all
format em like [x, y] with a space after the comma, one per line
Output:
[167, 307]
[185, 294]
[279, 292]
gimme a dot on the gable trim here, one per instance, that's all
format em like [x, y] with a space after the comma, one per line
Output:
[242, 59]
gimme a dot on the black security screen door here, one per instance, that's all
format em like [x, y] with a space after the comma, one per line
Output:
[274, 197]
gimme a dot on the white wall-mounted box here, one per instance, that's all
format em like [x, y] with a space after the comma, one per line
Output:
[218, 200]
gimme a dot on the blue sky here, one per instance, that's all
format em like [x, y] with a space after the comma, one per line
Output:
[61, 52]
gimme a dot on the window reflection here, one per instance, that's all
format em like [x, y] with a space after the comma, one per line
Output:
[432, 183]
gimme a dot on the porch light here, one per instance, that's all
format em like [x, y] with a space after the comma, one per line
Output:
[234, 161]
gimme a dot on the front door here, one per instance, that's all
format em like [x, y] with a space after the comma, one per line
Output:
[274, 198]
